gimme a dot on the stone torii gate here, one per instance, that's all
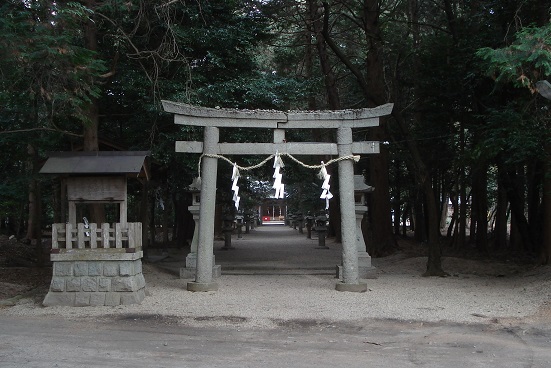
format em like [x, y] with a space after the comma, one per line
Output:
[213, 119]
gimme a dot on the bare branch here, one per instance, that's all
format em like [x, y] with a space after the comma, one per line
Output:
[41, 129]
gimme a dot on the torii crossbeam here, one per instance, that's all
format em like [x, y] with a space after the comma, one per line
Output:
[213, 119]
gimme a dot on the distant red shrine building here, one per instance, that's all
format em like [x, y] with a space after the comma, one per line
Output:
[273, 209]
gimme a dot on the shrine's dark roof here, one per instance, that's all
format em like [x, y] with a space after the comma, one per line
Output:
[96, 163]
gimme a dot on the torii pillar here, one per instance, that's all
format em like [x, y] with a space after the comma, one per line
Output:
[350, 275]
[205, 259]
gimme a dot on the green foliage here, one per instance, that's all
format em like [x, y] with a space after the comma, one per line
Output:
[525, 61]
[515, 131]
[513, 136]
[263, 55]
[42, 65]
[260, 91]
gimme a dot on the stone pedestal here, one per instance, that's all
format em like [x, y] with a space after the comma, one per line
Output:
[96, 278]
[190, 270]
[365, 269]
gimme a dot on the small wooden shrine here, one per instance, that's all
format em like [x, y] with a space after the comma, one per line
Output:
[96, 263]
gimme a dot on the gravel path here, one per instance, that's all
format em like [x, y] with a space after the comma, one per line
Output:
[260, 292]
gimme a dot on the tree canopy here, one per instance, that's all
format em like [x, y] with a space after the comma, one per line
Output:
[467, 142]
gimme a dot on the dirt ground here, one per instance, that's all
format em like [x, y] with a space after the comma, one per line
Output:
[18, 272]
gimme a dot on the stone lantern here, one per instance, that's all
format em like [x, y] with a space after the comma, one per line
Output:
[239, 225]
[247, 220]
[227, 229]
[321, 229]
[289, 219]
[300, 222]
[191, 259]
[365, 269]
[309, 223]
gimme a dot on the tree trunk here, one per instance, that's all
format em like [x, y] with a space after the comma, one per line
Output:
[90, 133]
[420, 231]
[165, 216]
[454, 219]
[444, 212]
[481, 184]
[405, 215]
[434, 263]
[184, 225]
[545, 250]
[462, 235]
[383, 237]
[144, 210]
[316, 16]
[516, 200]
[500, 230]
[34, 225]
[152, 226]
[534, 183]
[90, 141]
[373, 87]
[397, 197]
[379, 164]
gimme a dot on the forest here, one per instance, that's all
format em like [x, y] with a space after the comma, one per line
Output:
[465, 156]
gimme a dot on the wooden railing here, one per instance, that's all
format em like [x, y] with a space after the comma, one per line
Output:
[126, 237]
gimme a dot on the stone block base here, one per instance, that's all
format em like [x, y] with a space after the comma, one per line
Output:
[202, 286]
[82, 283]
[189, 272]
[353, 288]
[363, 272]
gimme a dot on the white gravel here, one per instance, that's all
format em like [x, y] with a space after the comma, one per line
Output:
[480, 293]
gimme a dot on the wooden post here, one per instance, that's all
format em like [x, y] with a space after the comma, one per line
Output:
[93, 235]
[118, 235]
[55, 237]
[80, 236]
[131, 235]
[72, 213]
[105, 235]
[68, 236]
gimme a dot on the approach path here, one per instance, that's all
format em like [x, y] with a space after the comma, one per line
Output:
[276, 248]
[271, 249]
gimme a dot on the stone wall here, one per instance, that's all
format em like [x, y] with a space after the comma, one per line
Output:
[96, 282]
